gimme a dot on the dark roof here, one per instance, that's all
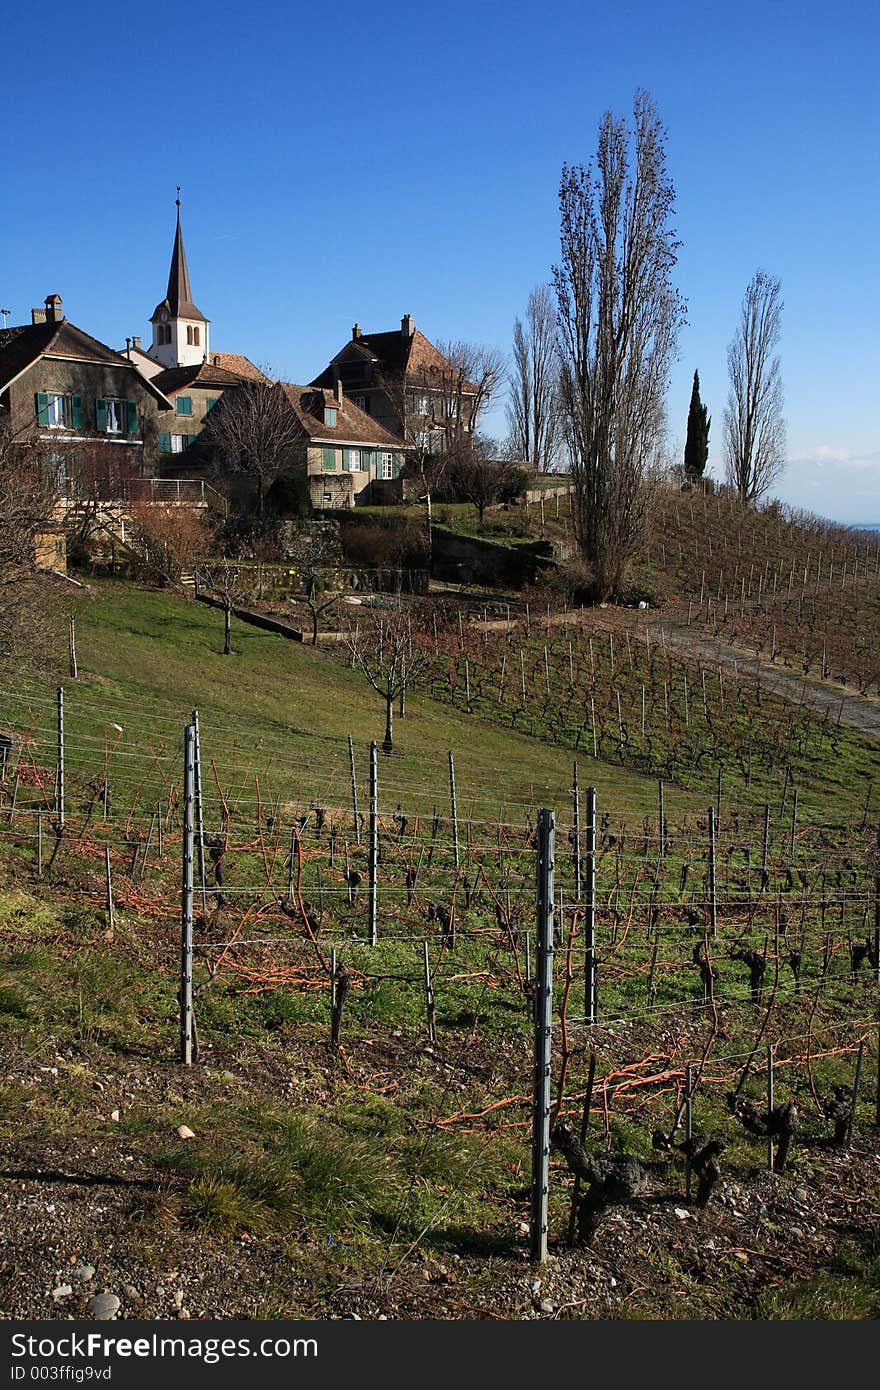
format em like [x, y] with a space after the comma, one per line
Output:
[203, 374]
[352, 426]
[20, 347]
[398, 354]
[178, 297]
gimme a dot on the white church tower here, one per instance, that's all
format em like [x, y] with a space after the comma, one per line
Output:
[180, 330]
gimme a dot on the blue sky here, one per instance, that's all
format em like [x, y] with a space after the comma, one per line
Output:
[358, 162]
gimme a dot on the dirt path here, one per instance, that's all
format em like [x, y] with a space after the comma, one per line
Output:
[855, 711]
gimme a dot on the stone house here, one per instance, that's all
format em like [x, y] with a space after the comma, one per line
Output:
[405, 383]
[90, 405]
[347, 455]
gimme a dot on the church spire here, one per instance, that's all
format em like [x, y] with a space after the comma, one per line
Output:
[180, 330]
[179, 294]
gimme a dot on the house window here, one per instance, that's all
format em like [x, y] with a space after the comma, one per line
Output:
[328, 459]
[353, 460]
[179, 442]
[361, 403]
[192, 335]
[183, 405]
[330, 415]
[163, 333]
[58, 410]
[210, 403]
[328, 498]
[386, 466]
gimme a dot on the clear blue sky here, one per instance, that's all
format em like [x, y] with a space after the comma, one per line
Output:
[362, 161]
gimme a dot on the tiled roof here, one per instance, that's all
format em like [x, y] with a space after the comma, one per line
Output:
[352, 424]
[399, 354]
[203, 374]
[238, 363]
[20, 347]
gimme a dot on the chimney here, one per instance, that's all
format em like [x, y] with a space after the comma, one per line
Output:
[136, 342]
[128, 348]
[38, 315]
[407, 326]
[356, 332]
[53, 308]
[339, 390]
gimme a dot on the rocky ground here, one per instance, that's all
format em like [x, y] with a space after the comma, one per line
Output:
[93, 1231]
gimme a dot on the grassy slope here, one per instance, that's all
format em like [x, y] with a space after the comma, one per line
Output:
[155, 657]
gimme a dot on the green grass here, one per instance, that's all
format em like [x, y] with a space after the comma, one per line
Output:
[282, 711]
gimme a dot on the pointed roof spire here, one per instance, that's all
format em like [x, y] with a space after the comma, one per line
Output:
[178, 298]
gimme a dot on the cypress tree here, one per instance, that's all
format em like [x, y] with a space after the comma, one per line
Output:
[696, 449]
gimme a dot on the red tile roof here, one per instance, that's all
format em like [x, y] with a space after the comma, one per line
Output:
[353, 426]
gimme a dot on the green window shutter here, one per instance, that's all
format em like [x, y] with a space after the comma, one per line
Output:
[328, 459]
[76, 412]
[101, 415]
[42, 402]
[132, 417]
[211, 402]
[164, 442]
[184, 405]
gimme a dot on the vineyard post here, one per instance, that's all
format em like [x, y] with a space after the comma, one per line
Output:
[430, 1009]
[200, 815]
[59, 767]
[454, 808]
[354, 793]
[108, 886]
[770, 1103]
[332, 982]
[159, 829]
[71, 645]
[713, 898]
[39, 844]
[794, 811]
[688, 1120]
[590, 990]
[374, 839]
[718, 793]
[106, 794]
[543, 1040]
[855, 1092]
[877, 912]
[661, 817]
[765, 850]
[576, 833]
[186, 900]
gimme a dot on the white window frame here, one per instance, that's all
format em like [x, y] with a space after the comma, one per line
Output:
[117, 415]
[420, 403]
[58, 411]
[178, 443]
[386, 466]
[353, 462]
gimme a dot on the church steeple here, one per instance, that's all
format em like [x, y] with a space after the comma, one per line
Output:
[180, 330]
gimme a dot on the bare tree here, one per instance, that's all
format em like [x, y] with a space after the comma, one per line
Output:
[619, 317]
[475, 474]
[230, 582]
[754, 430]
[533, 410]
[386, 656]
[316, 556]
[253, 430]
[464, 389]
[29, 609]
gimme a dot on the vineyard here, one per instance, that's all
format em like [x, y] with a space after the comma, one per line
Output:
[371, 922]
